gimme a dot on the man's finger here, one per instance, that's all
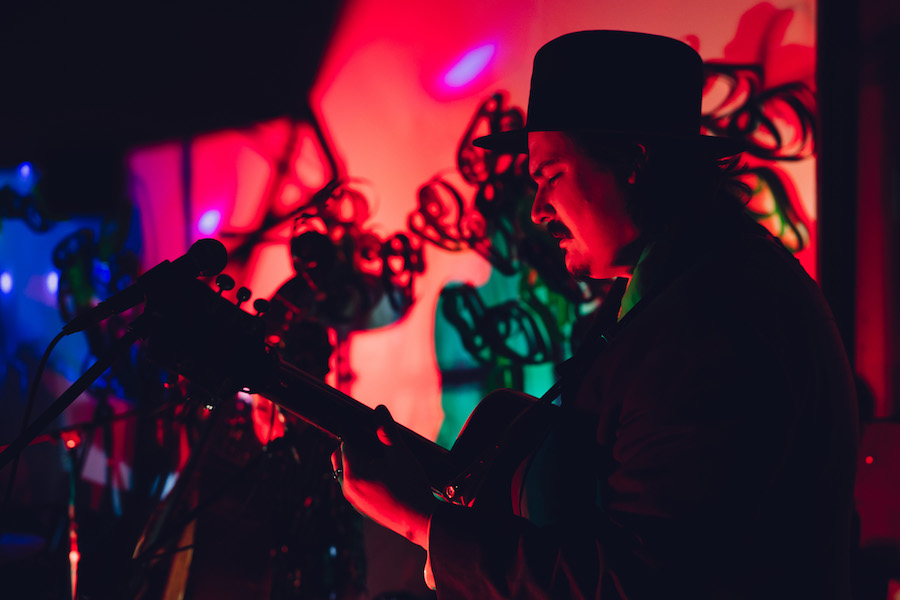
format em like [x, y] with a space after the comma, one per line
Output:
[387, 428]
[384, 437]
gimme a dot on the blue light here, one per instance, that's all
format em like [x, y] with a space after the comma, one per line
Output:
[25, 170]
[52, 282]
[102, 272]
[209, 222]
[470, 66]
[6, 282]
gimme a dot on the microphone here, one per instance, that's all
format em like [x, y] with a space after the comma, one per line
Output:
[206, 257]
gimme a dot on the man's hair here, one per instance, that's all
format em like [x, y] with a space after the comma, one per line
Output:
[674, 184]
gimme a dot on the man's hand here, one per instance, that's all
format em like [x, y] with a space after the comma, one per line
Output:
[384, 481]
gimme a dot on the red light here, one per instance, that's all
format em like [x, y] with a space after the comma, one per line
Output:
[870, 460]
[71, 439]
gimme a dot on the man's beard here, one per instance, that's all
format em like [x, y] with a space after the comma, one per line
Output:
[579, 272]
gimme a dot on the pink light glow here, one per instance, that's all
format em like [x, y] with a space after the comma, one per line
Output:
[470, 66]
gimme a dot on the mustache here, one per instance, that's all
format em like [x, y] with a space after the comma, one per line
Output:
[557, 229]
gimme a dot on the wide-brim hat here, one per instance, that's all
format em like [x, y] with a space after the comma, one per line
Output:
[616, 83]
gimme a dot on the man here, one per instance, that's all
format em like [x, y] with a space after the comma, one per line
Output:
[705, 444]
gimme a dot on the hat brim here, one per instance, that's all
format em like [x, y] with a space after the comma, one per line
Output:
[516, 141]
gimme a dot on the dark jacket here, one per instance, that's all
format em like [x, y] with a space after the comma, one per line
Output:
[707, 451]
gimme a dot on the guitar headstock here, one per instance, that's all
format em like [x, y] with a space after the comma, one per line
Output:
[198, 333]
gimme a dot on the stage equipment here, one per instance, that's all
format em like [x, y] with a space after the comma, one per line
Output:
[206, 256]
[30, 207]
[251, 517]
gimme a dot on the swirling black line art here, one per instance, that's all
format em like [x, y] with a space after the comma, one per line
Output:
[489, 332]
[503, 186]
[443, 219]
[401, 262]
[439, 216]
[784, 220]
[477, 165]
[778, 123]
[344, 271]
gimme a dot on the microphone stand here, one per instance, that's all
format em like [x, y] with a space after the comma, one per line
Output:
[135, 332]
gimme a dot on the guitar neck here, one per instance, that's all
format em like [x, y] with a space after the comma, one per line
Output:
[194, 331]
[339, 415]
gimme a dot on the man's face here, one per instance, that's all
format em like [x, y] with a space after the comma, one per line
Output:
[582, 205]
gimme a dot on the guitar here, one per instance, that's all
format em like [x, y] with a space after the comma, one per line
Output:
[220, 348]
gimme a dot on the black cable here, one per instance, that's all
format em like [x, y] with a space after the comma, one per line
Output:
[32, 395]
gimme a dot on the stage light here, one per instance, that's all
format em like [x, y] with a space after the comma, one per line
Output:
[52, 282]
[25, 170]
[209, 222]
[6, 282]
[470, 66]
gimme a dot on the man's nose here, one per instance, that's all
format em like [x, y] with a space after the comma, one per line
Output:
[541, 210]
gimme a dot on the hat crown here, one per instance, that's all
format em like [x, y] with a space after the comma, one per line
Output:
[616, 81]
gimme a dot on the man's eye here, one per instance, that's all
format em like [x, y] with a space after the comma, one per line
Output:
[554, 178]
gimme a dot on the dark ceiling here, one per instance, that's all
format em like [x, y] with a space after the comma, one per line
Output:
[102, 76]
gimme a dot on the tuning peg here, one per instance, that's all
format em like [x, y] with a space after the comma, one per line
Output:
[243, 294]
[260, 305]
[224, 283]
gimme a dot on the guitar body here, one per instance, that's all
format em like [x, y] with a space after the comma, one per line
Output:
[501, 433]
